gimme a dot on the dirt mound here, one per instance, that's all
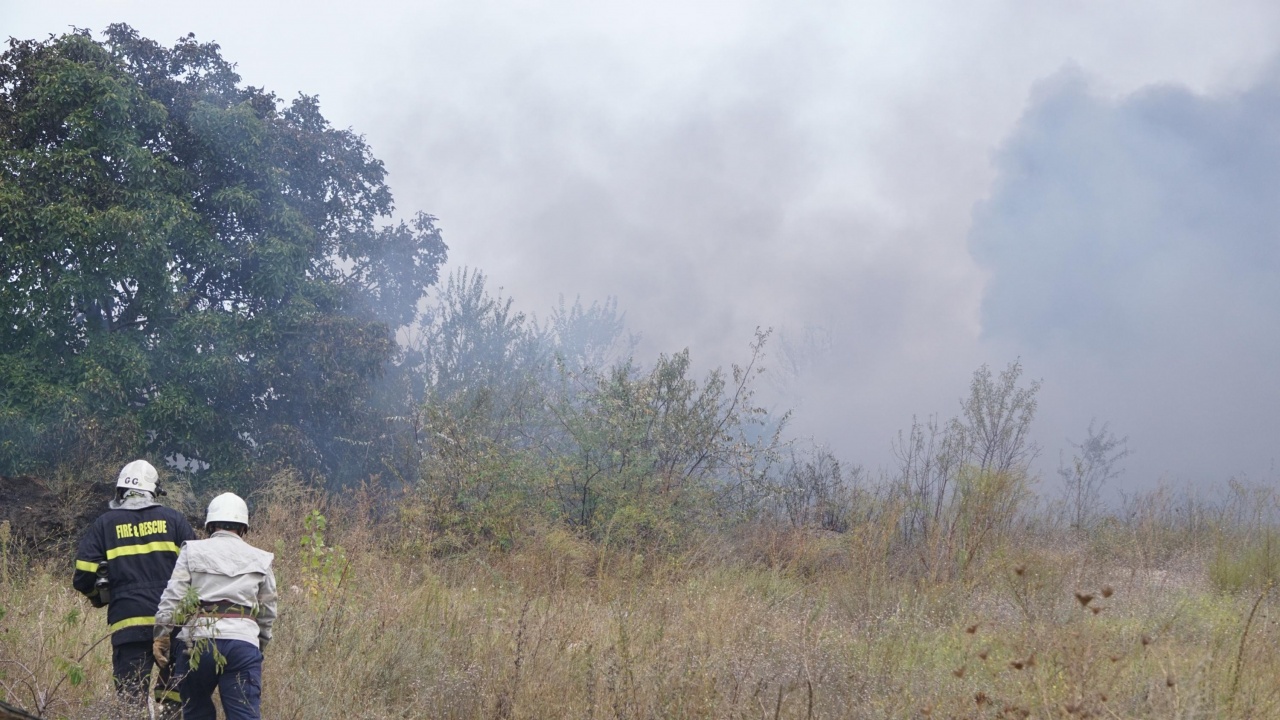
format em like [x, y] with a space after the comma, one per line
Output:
[46, 517]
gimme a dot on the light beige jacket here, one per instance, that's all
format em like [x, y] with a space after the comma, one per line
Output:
[222, 569]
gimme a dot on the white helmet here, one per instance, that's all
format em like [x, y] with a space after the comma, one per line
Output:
[227, 507]
[138, 475]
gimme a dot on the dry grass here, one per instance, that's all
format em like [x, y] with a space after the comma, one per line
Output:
[772, 624]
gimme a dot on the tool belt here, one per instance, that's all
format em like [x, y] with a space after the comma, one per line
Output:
[224, 610]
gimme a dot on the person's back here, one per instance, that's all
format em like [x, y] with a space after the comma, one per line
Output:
[139, 540]
[222, 635]
[128, 554]
[228, 575]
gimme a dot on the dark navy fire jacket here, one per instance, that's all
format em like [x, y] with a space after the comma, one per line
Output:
[139, 540]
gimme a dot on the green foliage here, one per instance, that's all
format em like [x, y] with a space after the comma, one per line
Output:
[472, 348]
[73, 671]
[46, 645]
[987, 501]
[812, 489]
[644, 526]
[997, 420]
[478, 493]
[478, 369]
[963, 482]
[191, 266]
[323, 565]
[188, 609]
[656, 449]
[1251, 562]
[1246, 544]
[188, 606]
[521, 425]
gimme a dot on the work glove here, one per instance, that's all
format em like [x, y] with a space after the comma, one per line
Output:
[160, 649]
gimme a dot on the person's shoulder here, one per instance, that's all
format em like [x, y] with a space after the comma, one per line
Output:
[194, 548]
[169, 513]
[267, 557]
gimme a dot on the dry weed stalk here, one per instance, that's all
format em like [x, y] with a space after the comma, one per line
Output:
[820, 625]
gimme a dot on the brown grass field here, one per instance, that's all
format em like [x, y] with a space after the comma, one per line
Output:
[1152, 616]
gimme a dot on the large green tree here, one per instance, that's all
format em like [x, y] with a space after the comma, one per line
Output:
[190, 266]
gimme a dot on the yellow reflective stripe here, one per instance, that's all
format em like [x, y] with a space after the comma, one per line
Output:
[87, 566]
[157, 546]
[133, 622]
[167, 695]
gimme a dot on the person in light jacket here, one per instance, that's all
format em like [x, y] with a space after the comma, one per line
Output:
[223, 596]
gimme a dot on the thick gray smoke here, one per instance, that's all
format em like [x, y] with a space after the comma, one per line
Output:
[720, 166]
[1134, 247]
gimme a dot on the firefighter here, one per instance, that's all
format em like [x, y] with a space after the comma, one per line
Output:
[225, 623]
[123, 562]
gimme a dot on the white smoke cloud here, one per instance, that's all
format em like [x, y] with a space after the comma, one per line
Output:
[718, 166]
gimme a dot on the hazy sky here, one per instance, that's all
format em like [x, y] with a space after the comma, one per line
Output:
[1090, 186]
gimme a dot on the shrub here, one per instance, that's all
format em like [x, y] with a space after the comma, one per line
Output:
[1247, 563]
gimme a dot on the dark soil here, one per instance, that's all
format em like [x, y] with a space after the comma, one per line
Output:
[46, 518]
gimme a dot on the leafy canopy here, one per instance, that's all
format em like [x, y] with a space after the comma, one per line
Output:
[190, 266]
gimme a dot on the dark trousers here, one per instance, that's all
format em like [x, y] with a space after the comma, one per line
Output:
[131, 665]
[238, 681]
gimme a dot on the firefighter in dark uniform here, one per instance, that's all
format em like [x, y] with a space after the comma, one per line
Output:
[124, 561]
